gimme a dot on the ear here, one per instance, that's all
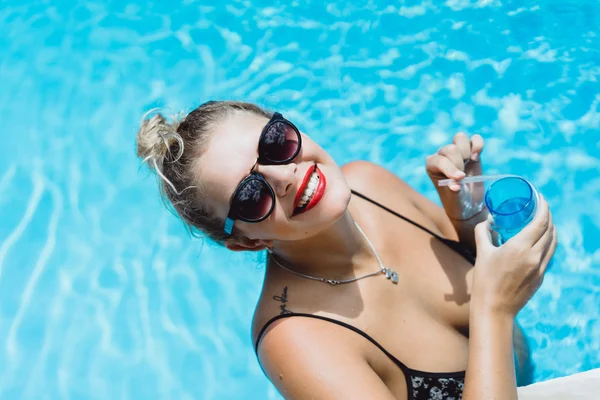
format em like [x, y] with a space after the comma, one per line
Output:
[246, 244]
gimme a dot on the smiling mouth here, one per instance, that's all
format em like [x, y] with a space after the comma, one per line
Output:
[310, 191]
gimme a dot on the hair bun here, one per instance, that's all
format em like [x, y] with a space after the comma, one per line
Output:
[155, 137]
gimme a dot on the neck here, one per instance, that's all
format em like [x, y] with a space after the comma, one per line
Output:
[337, 252]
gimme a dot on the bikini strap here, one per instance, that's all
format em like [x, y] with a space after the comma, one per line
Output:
[408, 372]
[454, 245]
[333, 321]
[362, 196]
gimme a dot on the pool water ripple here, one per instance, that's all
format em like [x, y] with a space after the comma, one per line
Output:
[103, 295]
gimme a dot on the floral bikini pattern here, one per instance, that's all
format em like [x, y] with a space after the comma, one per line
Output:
[432, 388]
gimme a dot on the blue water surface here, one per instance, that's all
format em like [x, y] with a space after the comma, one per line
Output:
[102, 293]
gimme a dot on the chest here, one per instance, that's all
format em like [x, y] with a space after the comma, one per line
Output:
[434, 280]
[424, 319]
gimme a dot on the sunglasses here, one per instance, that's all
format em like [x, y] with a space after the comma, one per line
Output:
[254, 199]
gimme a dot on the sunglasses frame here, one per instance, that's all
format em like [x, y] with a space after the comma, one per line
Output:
[233, 213]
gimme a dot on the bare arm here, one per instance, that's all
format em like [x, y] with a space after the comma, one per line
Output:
[490, 369]
[306, 360]
[505, 279]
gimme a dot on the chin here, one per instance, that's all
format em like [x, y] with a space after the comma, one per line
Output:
[336, 197]
[333, 206]
[337, 201]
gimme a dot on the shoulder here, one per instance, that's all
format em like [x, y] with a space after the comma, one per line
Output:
[308, 358]
[378, 182]
[384, 186]
[298, 337]
[284, 320]
[360, 170]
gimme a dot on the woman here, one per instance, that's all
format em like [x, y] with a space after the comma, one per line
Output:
[371, 290]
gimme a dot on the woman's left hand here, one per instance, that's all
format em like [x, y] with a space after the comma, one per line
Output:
[456, 160]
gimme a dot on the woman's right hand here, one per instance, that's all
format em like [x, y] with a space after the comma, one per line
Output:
[506, 277]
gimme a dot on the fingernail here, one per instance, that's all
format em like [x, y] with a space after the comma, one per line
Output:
[459, 174]
[474, 156]
[455, 188]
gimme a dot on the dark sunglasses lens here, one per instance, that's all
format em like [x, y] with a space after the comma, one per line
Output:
[280, 142]
[254, 200]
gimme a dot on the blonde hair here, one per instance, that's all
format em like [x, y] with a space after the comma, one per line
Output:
[172, 149]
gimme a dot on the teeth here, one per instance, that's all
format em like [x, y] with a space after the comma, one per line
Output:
[313, 182]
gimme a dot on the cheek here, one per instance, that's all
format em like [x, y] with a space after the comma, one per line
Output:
[337, 192]
[317, 150]
[339, 199]
[276, 226]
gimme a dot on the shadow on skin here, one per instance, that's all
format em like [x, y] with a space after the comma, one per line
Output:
[456, 270]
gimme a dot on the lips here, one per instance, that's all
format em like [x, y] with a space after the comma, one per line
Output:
[318, 194]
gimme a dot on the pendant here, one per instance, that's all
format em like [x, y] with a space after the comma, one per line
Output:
[392, 275]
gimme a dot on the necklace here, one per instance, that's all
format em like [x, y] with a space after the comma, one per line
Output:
[389, 274]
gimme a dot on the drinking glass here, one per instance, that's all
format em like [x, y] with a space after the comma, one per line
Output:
[512, 201]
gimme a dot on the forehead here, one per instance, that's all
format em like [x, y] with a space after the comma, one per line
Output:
[231, 153]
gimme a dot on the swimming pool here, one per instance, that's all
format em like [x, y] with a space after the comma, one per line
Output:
[102, 294]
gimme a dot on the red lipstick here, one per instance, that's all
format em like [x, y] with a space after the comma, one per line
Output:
[303, 185]
[318, 193]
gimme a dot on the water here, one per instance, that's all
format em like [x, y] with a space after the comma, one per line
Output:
[508, 226]
[515, 205]
[102, 294]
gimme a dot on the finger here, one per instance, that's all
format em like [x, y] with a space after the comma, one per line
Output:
[539, 251]
[453, 152]
[533, 231]
[476, 147]
[464, 145]
[483, 235]
[437, 164]
[544, 243]
[550, 253]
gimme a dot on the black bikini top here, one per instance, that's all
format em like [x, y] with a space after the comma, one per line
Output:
[421, 385]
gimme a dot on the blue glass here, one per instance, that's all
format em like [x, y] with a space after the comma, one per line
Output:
[512, 202]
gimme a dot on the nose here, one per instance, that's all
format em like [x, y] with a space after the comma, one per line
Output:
[280, 177]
